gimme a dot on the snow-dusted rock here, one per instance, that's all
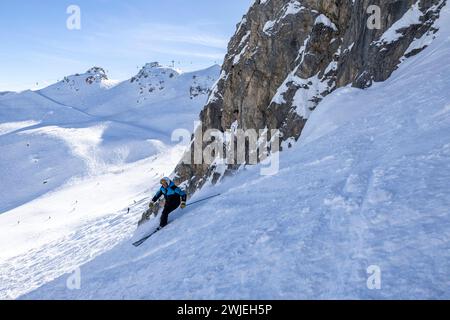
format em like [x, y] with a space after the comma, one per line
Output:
[287, 55]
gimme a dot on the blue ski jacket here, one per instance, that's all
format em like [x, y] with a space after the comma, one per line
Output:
[171, 191]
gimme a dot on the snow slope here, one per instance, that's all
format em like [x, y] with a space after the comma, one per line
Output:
[75, 156]
[366, 186]
[79, 89]
[90, 127]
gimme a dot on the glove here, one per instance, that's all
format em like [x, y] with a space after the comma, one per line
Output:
[183, 205]
[151, 205]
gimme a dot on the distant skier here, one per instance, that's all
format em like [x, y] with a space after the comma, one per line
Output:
[174, 196]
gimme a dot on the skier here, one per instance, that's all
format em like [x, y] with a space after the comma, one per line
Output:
[174, 196]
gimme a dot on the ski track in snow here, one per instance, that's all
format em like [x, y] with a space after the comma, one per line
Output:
[90, 225]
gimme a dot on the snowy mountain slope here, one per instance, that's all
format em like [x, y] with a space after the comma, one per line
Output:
[153, 92]
[75, 223]
[367, 185]
[65, 169]
[80, 88]
[38, 129]
[30, 160]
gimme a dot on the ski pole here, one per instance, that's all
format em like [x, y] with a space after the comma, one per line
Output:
[190, 204]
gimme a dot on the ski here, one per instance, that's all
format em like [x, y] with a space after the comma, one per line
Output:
[139, 242]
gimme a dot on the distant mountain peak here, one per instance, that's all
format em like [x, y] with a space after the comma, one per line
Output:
[97, 71]
[93, 75]
[155, 70]
[152, 65]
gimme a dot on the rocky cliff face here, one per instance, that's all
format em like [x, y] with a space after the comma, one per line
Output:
[286, 55]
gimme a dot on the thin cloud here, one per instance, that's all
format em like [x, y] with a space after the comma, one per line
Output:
[177, 34]
[198, 54]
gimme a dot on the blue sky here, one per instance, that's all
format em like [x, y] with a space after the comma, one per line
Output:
[36, 47]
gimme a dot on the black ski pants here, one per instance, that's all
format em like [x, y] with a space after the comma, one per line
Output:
[172, 203]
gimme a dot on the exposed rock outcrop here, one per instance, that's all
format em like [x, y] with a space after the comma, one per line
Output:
[96, 74]
[154, 78]
[286, 55]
